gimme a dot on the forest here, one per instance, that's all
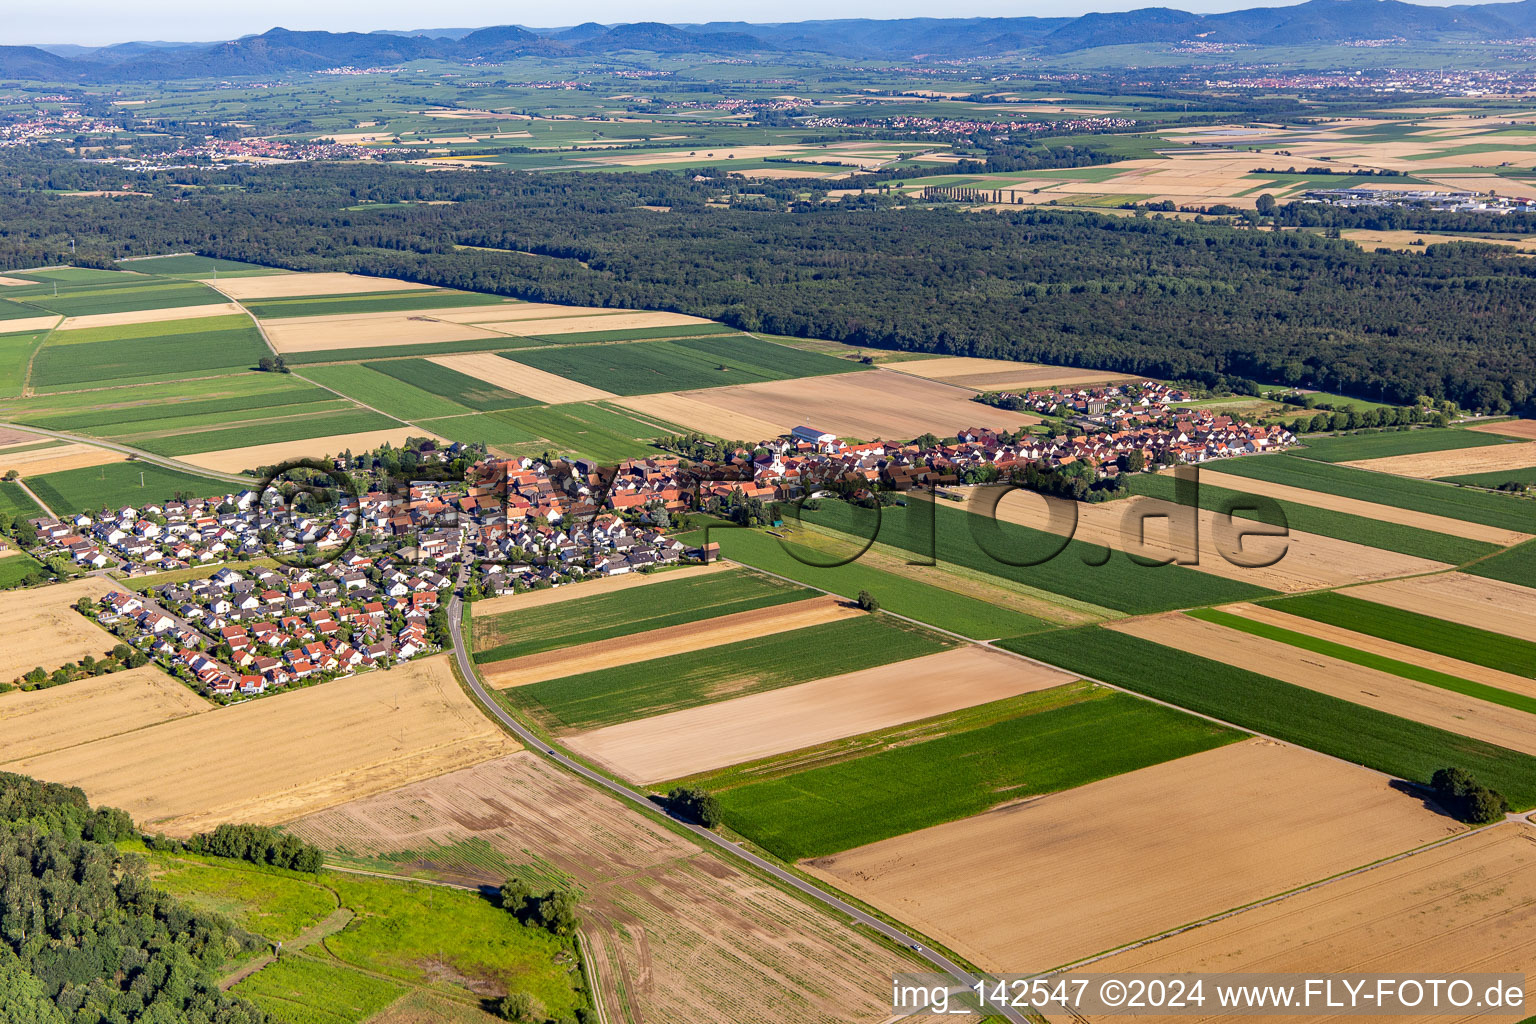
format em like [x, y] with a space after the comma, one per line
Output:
[83, 934]
[1143, 294]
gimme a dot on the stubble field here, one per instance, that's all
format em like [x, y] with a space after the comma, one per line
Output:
[90, 709]
[41, 629]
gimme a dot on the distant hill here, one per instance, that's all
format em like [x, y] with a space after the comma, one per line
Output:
[1316, 22]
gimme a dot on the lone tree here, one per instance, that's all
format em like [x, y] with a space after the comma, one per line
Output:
[868, 602]
[520, 1007]
[694, 804]
[1466, 798]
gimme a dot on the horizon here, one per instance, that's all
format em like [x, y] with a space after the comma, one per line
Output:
[170, 21]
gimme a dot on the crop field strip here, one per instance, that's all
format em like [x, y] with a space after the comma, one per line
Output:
[658, 366]
[593, 337]
[117, 484]
[1349, 447]
[194, 267]
[1388, 743]
[946, 609]
[115, 296]
[1451, 639]
[1517, 565]
[605, 616]
[15, 355]
[609, 696]
[582, 428]
[1325, 522]
[1474, 506]
[1494, 479]
[384, 392]
[814, 803]
[464, 390]
[112, 412]
[15, 502]
[1343, 652]
[181, 348]
[1081, 571]
[369, 302]
[373, 353]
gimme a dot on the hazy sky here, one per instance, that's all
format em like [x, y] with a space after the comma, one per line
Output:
[96, 22]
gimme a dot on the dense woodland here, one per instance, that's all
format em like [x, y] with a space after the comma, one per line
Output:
[83, 935]
[1147, 295]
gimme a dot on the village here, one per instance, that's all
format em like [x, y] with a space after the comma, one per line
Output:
[306, 590]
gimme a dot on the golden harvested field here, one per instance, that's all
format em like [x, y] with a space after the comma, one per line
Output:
[1368, 509]
[701, 739]
[661, 643]
[148, 316]
[91, 709]
[1309, 561]
[52, 460]
[873, 404]
[1046, 882]
[271, 760]
[1405, 241]
[14, 282]
[589, 588]
[520, 378]
[1428, 465]
[1387, 649]
[490, 316]
[1510, 428]
[1002, 374]
[319, 333]
[607, 320]
[30, 323]
[681, 408]
[1467, 905]
[674, 933]
[1406, 698]
[1491, 182]
[1456, 597]
[40, 627]
[288, 286]
[233, 460]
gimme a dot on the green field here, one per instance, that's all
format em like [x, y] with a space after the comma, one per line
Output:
[1471, 506]
[466, 391]
[319, 425]
[177, 348]
[1445, 681]
[642, 689]
[300, 990]
[584, 620]
[15, 352]
[654, 366]
[383, 391]
[196, 266]
[945, 609]
[636, 334]
[1495, 478]
[18, 311]
[1059, 739]
[1440, 636]
[1081, 571]
[16, 569]
[277, 904]
[115, 296]
[123, 420]
[369, 302]
[1349, 447]
[1517, 565]
[580, 428]
[1376, 533]
[376, 352]
[118, 484]
[14, 501]
[1294, 714]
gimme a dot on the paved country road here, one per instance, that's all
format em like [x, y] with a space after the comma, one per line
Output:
[701, 834]
[139, 454]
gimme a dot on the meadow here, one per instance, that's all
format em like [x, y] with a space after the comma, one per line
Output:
[645, 688]
[1452, 639]
[655, 366]
[368, 302]
[1349, 447]
[15, 353]
[119, 484]
[1055, 741]
[946, 609]
[301, 990]
[382, 391]
[1077, 570]
[16, 569]
[119, 294]
[584, 620]
[1376, 533]
[1343, 652]
[1295, 714]
[180, 348]
[1400, 492]
[464, 390]
[278, 904]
